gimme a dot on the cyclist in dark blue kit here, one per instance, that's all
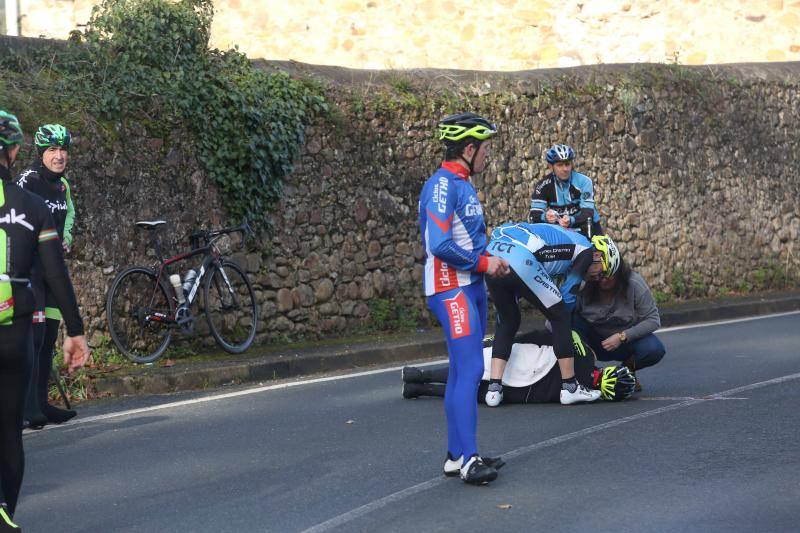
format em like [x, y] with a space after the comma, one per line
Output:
[26, 230]
[454, 237]
[565, 197]
[46, 179]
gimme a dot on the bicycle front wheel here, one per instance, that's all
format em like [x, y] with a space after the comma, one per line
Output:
[135, 307]
[230, 306]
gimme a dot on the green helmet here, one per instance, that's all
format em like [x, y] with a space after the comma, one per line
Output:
[10, 130]
[458, 127]
[52, 135]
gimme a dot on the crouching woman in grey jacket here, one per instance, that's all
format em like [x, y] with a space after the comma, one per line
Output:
[617, 315]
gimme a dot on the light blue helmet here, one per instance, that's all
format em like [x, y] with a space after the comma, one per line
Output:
[560, 152]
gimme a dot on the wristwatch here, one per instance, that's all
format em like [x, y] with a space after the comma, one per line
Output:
[622, 336]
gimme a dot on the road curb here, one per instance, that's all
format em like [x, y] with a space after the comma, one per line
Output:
[160, 380]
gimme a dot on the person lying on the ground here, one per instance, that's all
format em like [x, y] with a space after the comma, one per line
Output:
[531, 375]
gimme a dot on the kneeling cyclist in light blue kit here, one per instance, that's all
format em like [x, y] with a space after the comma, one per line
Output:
[536, 254]
[454, 238]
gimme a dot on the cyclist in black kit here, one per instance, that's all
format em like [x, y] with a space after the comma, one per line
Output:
[26, 229]
[46, 179]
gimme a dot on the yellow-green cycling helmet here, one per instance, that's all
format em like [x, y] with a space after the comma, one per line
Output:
[616, 383]
[454, 128]
[609, 254]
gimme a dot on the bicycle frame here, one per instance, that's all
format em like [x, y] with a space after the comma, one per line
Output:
[162, 274]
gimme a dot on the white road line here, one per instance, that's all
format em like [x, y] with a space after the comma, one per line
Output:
[431, 483]
[728, 321]
[683, 398]
[227, 395]
[279, 386]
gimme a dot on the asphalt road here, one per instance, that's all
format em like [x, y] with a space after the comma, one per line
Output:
[710, 445]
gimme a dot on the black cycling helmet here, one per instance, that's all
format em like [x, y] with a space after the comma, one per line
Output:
[615, 383]
[459, 130]
[10, 133]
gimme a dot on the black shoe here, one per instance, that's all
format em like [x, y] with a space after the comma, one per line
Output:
[452, 467]
[5, 521]
[495, 462]
[412, 390]
[476, 472]
[57, 416]
[35, 421]
[412, 374]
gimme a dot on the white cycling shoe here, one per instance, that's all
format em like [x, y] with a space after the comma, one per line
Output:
[581, 394]
[494, 396]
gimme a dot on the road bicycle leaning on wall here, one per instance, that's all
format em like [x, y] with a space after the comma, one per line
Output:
[144, 305]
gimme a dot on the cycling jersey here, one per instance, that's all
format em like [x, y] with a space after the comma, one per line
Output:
[453, 230]
[55, 190]
[540, 252]
[27, 230]
[573, 197]
[527, 364]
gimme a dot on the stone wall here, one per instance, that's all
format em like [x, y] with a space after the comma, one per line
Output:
[521, 34]
[695, 172]
[693, 168]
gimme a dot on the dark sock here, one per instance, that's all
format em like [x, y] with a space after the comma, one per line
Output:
[570, 384]
[498, 380]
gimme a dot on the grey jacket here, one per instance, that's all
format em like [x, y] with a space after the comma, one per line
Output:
[636, 315]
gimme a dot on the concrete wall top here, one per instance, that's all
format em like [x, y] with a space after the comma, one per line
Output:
[505, 35]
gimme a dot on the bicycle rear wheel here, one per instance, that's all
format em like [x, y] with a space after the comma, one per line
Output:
[135, 303]
[230, 307]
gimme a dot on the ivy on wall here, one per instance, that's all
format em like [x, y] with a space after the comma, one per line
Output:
[149, 61]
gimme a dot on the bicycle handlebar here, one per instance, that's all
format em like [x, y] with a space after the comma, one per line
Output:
[208, 236]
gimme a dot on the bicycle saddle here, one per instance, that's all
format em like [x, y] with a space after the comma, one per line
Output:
[150, 224]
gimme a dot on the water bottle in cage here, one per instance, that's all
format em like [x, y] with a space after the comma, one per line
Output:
[188, 281]
[175, 280]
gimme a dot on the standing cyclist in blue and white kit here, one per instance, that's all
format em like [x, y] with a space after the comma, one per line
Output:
[565, 197]
[454, 236]
[26, 231]
[536, 254]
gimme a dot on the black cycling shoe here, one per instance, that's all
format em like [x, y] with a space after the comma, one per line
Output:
[412, 390]
[452, 467]
[37, 421]
[6, 524]
[412, 374]
[57, 416]
[476, 472]
[495, 462]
